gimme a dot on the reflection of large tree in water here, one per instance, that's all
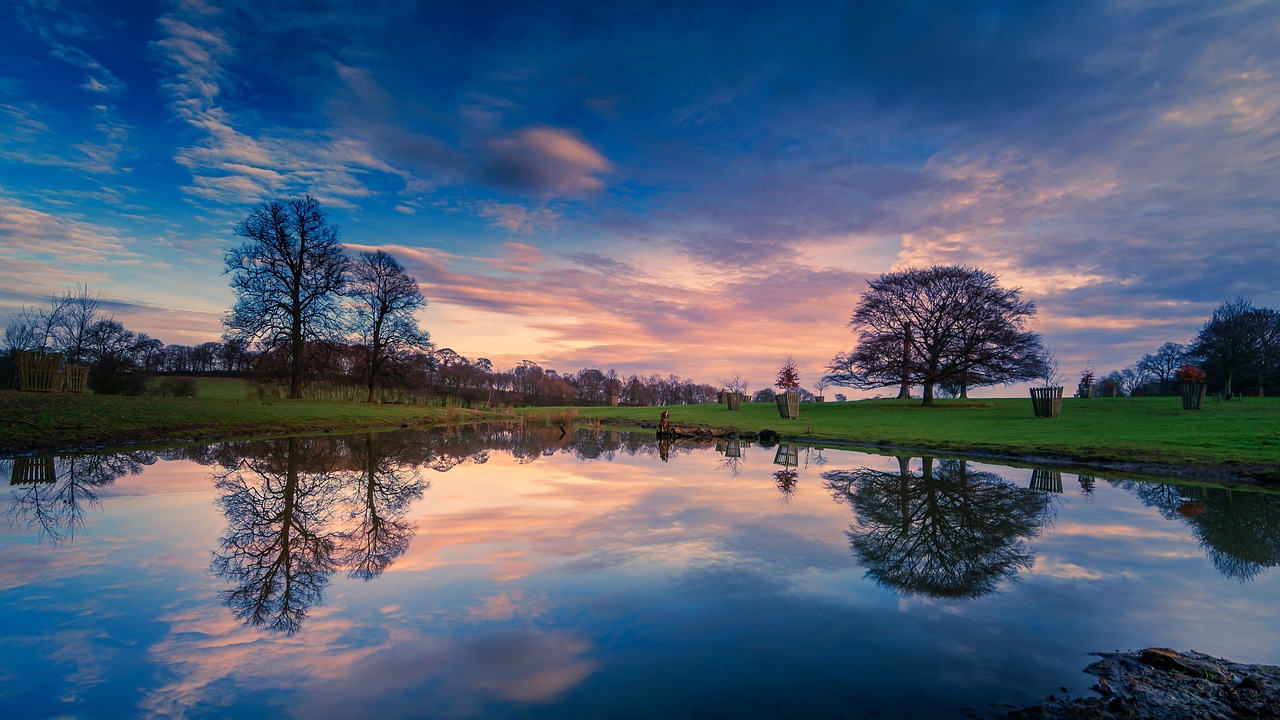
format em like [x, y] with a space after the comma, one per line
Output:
[1238, 529]
[946, 533]
[300, 510]
[56, 505]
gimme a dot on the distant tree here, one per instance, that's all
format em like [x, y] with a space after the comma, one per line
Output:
[1268, 348]
[788, 374]
[76, 315]
[1230, 343]
[384, 301]
[117, 357]
[1163, 362]
[763, 395]
[938, 324]
[288, 280]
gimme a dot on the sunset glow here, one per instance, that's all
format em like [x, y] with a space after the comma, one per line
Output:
[693, 190]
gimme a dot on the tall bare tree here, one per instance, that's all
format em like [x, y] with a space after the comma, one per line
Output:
[287, 279]
[384, 300]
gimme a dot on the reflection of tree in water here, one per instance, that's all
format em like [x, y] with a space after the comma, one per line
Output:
[946, 533]
[1239, 530]
[58, 509]
[304, 508]
[278, 550]
[384, 492]
[786, 482]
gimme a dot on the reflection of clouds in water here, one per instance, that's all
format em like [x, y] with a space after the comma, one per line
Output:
[506, 605]
[342, 670]
[1047, 567]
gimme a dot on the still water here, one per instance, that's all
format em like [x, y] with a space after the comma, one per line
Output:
[515, 573]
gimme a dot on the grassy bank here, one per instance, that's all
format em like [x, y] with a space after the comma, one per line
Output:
[1241, 436]
[48, 423]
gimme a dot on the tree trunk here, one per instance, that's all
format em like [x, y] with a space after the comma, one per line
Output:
[928, 394]
[295, 362]
[904, 391]
[375, 362]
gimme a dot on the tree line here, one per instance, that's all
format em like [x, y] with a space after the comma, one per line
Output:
[1238, 348]
[307, 313]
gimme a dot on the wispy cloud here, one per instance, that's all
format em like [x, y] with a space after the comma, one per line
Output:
[63, 29]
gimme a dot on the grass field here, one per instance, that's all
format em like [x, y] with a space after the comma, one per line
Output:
[1242, 434]
[32, 422]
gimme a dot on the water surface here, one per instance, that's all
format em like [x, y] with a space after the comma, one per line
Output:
[515, 573]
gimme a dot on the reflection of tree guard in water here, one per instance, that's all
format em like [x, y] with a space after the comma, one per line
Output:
[27, 471]
[57, 503]
[787, 454]
[1046, 481]
[946, 533]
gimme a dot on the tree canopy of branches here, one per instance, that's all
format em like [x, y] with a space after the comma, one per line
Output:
[287, 279]
[1235, 340]
[384, 299]
[936, 325]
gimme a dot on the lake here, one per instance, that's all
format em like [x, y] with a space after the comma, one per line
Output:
[518, 573]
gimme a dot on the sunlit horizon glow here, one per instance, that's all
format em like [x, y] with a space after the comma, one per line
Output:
[694, 190]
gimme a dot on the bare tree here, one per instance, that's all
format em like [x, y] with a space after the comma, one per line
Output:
[1164, 362]
[77, 314]
[384, 299]
[939, 324]
[287, 280]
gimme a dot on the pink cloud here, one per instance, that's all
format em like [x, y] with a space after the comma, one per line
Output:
[545, 161]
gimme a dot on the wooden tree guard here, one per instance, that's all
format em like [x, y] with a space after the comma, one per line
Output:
[788, 405]
[1046, 481]
[1193, 395]
[1047, 401]
[734, 400]
[29, 471]
[733, 449]
[40, 371]
[77, 378]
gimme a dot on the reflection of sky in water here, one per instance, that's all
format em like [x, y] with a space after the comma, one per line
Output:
[570, 588]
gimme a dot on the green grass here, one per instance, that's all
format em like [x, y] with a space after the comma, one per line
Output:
[1243, 433]
[1147, 434]
[223, 388]
[32, 422]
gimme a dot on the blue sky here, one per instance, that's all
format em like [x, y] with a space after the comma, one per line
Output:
[693, 188]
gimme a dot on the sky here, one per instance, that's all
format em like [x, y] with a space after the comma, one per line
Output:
[691, 188]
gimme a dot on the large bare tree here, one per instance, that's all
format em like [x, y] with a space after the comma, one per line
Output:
[384, 299]
[942, 324]
[288, 280]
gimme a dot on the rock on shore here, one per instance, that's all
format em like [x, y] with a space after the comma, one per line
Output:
[1165, 684]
